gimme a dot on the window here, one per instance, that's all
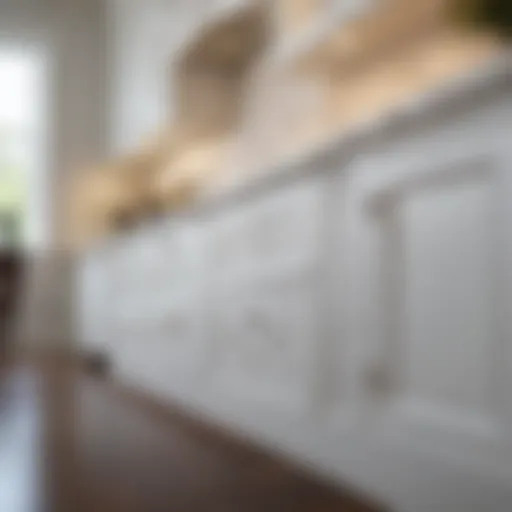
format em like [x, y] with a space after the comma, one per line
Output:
[21, 143]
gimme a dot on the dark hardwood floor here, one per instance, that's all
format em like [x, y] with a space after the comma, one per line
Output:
[74, 444]
[11, 270]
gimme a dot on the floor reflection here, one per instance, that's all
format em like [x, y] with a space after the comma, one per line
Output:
[21, 454]
[69, 443]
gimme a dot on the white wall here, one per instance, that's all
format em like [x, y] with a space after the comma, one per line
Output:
[72, 36]
[143, 38]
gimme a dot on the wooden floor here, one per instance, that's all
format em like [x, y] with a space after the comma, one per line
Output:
[70, 443]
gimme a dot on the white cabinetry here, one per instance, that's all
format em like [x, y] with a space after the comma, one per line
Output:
[265, 321]
[355, 313]
[425, 262]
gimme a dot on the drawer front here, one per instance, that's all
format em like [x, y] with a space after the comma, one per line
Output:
[226, 243]
[284, 227]
[278, 232]
[180, 333]
[157, 267]
[140, 266]
[264, 339]
[182, 256]
[169, 344]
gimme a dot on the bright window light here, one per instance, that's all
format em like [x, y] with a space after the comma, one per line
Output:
[22, 143]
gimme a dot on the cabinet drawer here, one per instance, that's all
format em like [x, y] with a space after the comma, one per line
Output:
[285, 226]
[281, 230]
[181, 256]
[266, 336]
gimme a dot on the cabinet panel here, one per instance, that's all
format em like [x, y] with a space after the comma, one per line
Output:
[265, 337]
[451, 297]
[437, 297]
[182, 255]
[278, 233]
[425, 272]
[284, 227]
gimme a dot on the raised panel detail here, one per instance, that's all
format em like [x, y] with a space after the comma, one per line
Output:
[450, 296]
[284, 226]
[266, 338]
[277, 233]
[439, 292]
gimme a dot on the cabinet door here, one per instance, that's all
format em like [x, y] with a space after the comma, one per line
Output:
[283, 229]
[178, 314]
[428, 289]
[266, 336]
[275, 234]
